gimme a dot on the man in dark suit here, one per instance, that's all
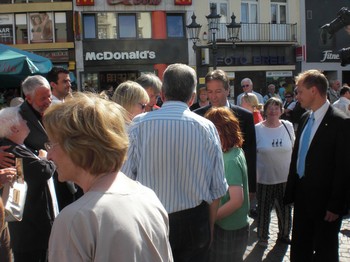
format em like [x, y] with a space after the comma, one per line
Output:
[217, 84]
[317, 181]
[37, 99]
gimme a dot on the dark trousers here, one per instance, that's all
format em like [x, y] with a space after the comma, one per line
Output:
[229, 245]
[314, 239]
[34, 256]
[190, 234]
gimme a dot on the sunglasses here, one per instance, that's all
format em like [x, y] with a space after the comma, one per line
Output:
[143, 106]
[243, 86]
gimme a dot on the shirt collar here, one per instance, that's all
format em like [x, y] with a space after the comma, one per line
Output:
[319, 113]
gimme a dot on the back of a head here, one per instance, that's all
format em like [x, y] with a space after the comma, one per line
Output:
[9, 117]
[252, 100]
[150, 80]
[91, 130]
[227, 125]
[179, 82]
[344, 90]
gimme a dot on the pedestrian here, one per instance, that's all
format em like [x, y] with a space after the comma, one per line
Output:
[232, 223]
[178, 154]
[247, 87]
[117, 219]
[318, 175]
[274, 143]
[218, 88]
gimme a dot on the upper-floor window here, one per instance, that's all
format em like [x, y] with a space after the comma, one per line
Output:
[24, 28]
[278, 11]
[110, 25]
[175, 25]
[249, 11]
[221, 9]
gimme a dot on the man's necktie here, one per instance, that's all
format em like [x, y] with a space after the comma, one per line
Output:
[304, 145]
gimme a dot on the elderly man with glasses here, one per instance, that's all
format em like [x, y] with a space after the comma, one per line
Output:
[247, 86]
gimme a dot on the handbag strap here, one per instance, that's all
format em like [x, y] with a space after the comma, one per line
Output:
[290, 137]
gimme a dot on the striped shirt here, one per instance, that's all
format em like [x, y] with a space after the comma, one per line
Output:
[178, 154]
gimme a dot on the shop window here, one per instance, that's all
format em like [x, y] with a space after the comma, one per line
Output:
[89, 22]
[21, 29]
[175, 25]
[6, 28]
[60, 27]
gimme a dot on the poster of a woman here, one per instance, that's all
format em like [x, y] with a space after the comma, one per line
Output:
[41, 27]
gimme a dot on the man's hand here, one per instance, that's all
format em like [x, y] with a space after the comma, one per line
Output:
[6, 159]
[330, 217]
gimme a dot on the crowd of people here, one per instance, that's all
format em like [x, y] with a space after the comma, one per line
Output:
[117, 177]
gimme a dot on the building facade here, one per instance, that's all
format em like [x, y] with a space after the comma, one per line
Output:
[43, 27]
[265, 51]
[120, 40]
[319, 49]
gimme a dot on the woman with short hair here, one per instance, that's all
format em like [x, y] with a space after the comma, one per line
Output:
[132, 97]
[117, 219]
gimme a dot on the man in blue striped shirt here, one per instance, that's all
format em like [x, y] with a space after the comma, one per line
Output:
[177, 153]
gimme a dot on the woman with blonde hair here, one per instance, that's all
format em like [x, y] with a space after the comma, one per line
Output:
[117, 219]
[232, 226]
[132, 96]
[250, 102]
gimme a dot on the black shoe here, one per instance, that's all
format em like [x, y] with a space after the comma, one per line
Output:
[284, 240]
[253, 213]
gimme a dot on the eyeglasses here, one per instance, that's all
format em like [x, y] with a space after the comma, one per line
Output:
[48, 145]
[288, 96]
[143, 106]
[243, 86]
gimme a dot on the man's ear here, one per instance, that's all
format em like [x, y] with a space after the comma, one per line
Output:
[193, 97]
[162, 96]
[29, 99]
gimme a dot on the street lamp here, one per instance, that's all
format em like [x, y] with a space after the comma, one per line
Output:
[213, 18]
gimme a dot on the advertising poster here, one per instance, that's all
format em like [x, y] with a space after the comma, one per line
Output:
[41, 27]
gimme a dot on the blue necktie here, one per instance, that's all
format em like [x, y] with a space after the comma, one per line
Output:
[304, 145]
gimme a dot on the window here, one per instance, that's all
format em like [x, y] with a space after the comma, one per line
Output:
[127, 25]
[6, 28]
[175, 25]
[21, 29]
[110, 25]
[278, 11]
[89, 22]
[60, 27]
[221, 9]
[249, 11]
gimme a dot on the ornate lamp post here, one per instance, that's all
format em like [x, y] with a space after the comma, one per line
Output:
[213, 18]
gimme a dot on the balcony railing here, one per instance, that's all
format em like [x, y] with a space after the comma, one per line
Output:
[262, 32]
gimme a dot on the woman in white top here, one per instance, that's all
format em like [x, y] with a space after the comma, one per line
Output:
[274, 141]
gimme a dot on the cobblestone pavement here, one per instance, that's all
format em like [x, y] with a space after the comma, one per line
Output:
[280, 252]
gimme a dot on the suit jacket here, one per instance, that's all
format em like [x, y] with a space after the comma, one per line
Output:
[37, 136]
[325, 181]
[246, 123]
[36, 139]
[33, 232]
